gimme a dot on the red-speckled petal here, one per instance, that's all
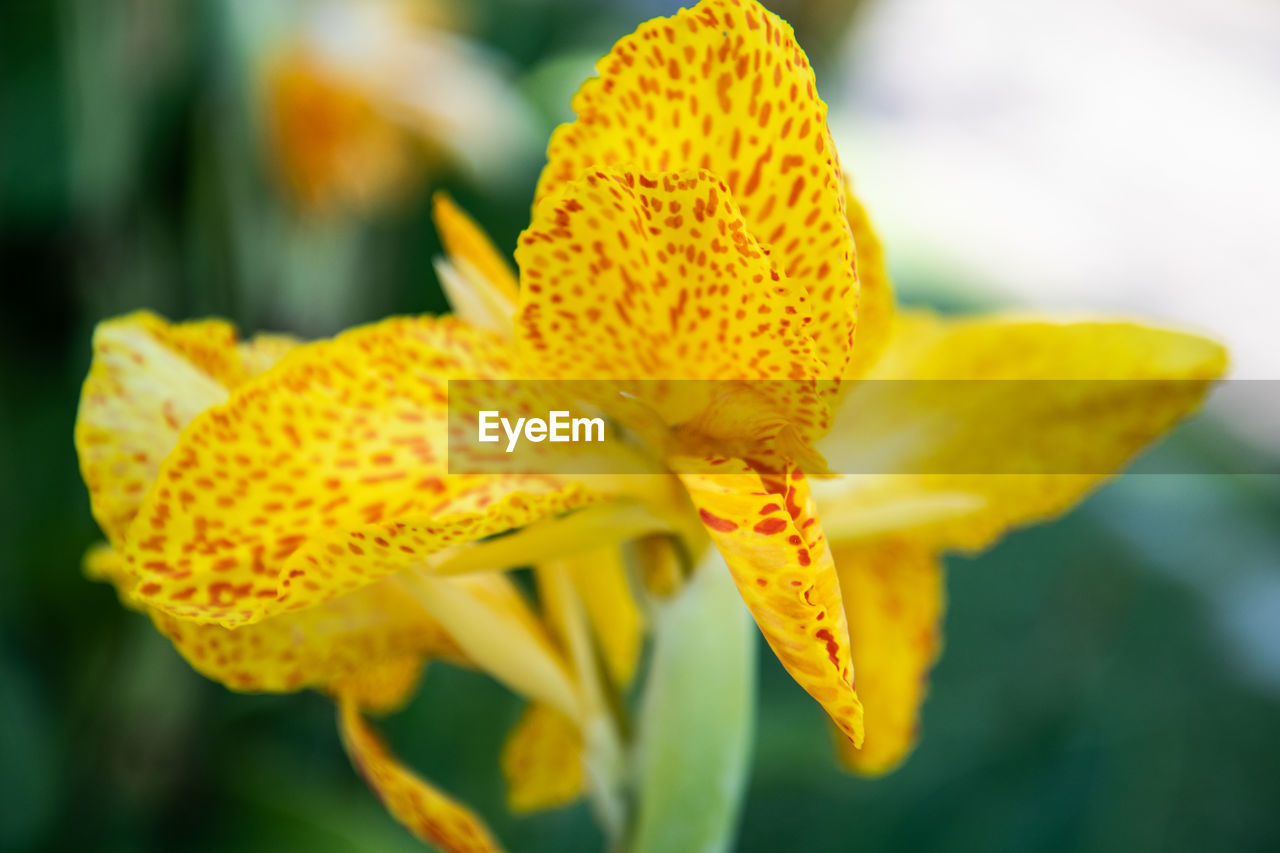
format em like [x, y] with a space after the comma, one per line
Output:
[654, 276]
[424, 809]
[323, 475]
[148, 379]
[542, 760]
[724, 87]
[371, 643]
[765, 527]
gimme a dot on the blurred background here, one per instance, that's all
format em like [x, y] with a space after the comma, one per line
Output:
[1110, 682]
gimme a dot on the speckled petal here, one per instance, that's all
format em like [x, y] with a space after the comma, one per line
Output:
[724, 87]
[424, 809]
[654, 276]
[323, 475]
[372, 642]
[766, 530]
[542, 760]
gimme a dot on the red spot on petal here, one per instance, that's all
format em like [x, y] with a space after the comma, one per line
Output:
[715, 522]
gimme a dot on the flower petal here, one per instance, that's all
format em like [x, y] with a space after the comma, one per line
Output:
[465, 242]
[542, 760]
[148, 379]
[331, 142]
[423, 808]
[766, 530]
[942, 436]
[600, 578]
[894, 596]
[325, 474]
[373, 641]
[724, 87]
[491, 622]
[875, 294]
[654, 276]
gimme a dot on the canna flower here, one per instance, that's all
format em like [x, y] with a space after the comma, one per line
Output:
[363, 97]
[284, 513]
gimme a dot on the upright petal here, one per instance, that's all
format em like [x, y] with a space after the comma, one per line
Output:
[489, 619]
[724, 87]
[1088, 397]
[766, 529]
[424, 809]
[465, 241]
[600, 578]
[875, 295]
[654, 276]
[894, 596]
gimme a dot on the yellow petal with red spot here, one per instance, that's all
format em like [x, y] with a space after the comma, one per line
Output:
[423, 808]
[147, 380]
[600, 578]
[875, 295]
[894, 596]
[373, 641]
[1060, 405]
[654, 276]
[466, 241]
[542, 760]
[766, 529]
[322, 475]
[724, 87]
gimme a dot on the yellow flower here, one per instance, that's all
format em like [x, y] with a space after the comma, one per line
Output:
[362, 97]
[285, 514]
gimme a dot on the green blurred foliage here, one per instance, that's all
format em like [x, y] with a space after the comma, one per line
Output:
[1088, 698]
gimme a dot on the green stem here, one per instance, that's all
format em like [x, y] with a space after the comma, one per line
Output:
[697, 717]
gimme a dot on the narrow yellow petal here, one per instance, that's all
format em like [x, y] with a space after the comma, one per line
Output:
[1061, 430]
[876, 304]
[465, 241]
[600, 578]
[601, 753]
[766, 530]
[489, 619]
[724, 87]
[423, 808]
[542, 760]
[894, 596]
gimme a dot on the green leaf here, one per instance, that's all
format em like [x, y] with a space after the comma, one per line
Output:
[697, 717]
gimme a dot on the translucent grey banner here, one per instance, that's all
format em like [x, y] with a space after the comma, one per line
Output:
[870, 427]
